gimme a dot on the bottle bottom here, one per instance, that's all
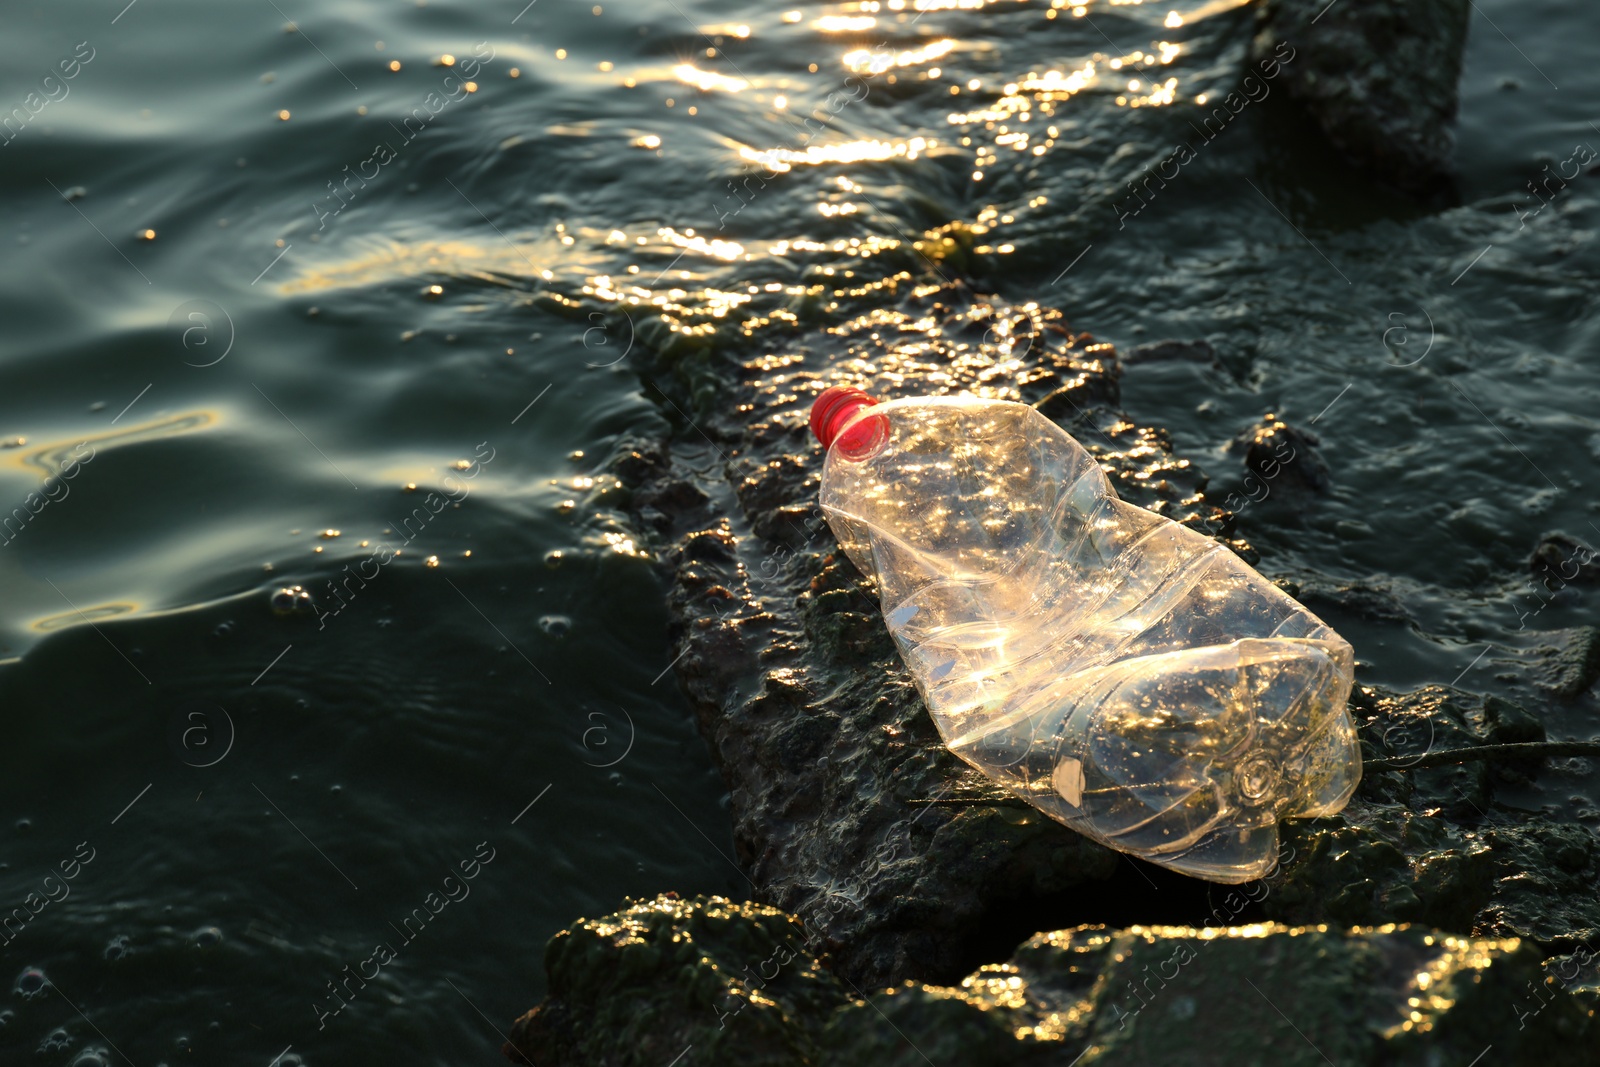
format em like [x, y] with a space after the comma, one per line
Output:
[1188, 759]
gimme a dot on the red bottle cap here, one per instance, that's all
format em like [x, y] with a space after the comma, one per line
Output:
[834, 408]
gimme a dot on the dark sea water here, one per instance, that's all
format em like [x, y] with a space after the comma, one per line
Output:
[287, 302]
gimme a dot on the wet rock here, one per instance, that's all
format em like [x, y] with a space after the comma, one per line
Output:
[1286, 995]
[1281, 457]
[1438, 845]
[644, 984]
[664, 497]
[1379, 76]
[633, 465]
[735, 984]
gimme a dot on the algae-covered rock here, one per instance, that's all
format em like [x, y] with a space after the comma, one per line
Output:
[1379, 76]
[714, 980]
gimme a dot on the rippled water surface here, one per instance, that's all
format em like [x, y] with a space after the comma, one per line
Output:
[351, 297]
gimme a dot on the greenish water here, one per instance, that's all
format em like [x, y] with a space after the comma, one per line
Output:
[196, 408]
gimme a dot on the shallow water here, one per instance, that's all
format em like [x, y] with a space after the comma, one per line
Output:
[267, 796]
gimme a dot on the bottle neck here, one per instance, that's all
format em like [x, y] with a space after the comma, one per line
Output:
[834, 409]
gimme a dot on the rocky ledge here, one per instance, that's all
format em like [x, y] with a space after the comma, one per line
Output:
[734, 984]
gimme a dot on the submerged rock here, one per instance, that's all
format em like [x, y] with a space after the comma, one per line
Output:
[1559, 560]
[734, 984]
[1568, 663]
[1374, 599]
[1379, 76]
[1173, 352]
[1283, 457]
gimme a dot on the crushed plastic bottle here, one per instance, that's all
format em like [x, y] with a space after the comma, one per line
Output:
[1128, 676]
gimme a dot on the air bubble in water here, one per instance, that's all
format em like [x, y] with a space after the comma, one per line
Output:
[55, 1041]
[31, 983]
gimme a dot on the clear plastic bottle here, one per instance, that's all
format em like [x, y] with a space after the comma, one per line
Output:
[1126, 675]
